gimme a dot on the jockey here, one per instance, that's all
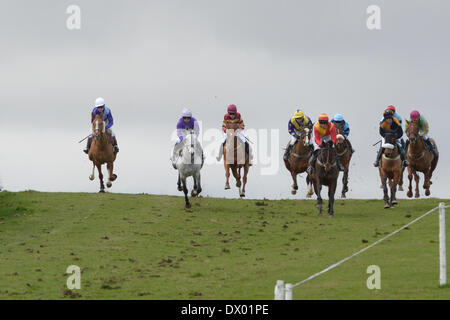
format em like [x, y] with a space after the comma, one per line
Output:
[324, 131]
[295, 126]
[338, 119]
[185, 123]
[99, 108]
[398, 117]
[424, 128]
[390, 124]
[234, 117]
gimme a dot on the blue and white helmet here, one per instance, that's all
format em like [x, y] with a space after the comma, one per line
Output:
[338, 117]
[99, 102]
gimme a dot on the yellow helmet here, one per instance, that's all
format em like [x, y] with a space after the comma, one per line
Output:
[298, 114]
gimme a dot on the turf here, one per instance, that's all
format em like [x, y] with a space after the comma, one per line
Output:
[150, 247]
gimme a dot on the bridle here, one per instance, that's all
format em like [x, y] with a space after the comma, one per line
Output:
[327, 164]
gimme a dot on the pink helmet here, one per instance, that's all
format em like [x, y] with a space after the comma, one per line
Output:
[415, 115]
[232, 108]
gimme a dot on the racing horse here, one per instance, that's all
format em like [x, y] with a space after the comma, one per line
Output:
[420, 159]
[235, 157]
[390, 169]
[345, 155]
[326, 173]
[102, 152]
[298, 160]
[189, 162]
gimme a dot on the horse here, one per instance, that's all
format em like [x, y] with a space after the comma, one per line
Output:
[390, 168]
[420, 159]
[189, 164]
[345, 155]
[298, 160]
[235, 157]
[326, 173]
[101, 152]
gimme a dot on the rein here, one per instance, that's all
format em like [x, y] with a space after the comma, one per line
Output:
[328, 161]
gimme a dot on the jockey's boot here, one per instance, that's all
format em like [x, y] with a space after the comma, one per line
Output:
[248, 151]
[311, 163]
[377, 161]
[115, 146]
[219, 156]
[431, 147]
[311, 148]
[350, 146]
[88, 145]
[403, 157]
[287, 152]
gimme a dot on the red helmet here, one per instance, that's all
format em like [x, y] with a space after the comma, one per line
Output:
[415, 115]
[391, 108]
[232, 108]
[323, 117]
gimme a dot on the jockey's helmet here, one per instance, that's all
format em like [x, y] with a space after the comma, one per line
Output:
[232, 108]
[298, 114]
[99, 102]
[391, 108]
[338, 117]
[415, 115]
[186, 113]
[323, 118]
[388, 114]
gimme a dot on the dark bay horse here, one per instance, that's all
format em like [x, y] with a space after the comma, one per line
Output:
[235, 158]
[102, 152]
[343, 151]
[420, 159]
[390, 169]
[326, 173]
[298, 160]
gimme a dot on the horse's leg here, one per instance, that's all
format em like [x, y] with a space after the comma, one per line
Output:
[100, 176]
[417, 180]
[236, 176]
[410, 176]
[319, 198]
[344, 182]
[91, 177]
[185, 190]
[110, 167]
[426, 184]
[227, 176]
[194, 190]
[385, 192]
[400, 182]
[294, 186]
[310, 186]
[199, 184]
[331, 192]
[180, 188]
[244, 180]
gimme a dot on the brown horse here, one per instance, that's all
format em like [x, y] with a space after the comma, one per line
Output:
[391, 169]
[344, 152]
[298, 160]
[420, 159]
[235, 158]
[101, 152]
[326, 173]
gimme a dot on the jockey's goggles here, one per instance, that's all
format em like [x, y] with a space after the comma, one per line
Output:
[323, 121]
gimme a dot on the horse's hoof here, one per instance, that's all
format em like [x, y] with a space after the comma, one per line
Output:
[409, 194]
[238, 185]
[343, 196]
[187, 206]
[293, 192]
[91, 177]
[242, 194]
[331, 215]
[227, 186]
[180, 188]
[400, 188]
[427, 192]
[394, 202]
[109, 184]
[308, 196]
[416, 195]
[193, 193]
[387, 206]
[114, 177]
[101, 191]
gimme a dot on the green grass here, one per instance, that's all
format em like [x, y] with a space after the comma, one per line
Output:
[150, 247]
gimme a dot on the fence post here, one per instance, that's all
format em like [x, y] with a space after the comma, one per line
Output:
[442, 249]
[288, 291]
[279, 290]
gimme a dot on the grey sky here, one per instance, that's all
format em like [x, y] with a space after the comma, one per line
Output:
[149, 59]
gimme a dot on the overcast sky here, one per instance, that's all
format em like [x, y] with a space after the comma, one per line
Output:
[151, 59]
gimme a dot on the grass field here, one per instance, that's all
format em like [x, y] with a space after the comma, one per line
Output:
[150, 247]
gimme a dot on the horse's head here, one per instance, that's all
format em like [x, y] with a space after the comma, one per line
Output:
[412, 131]
[98, 126]
[327, 155]
[389, 145]
[305, 136]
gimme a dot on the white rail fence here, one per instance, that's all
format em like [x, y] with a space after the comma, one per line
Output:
[285, 291]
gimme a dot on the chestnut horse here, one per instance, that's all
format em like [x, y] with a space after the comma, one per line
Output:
[345, 155]
[101, 152]
[420, 159]
[391, 169]
[298, 160]
[235, 158]
[326, 173]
